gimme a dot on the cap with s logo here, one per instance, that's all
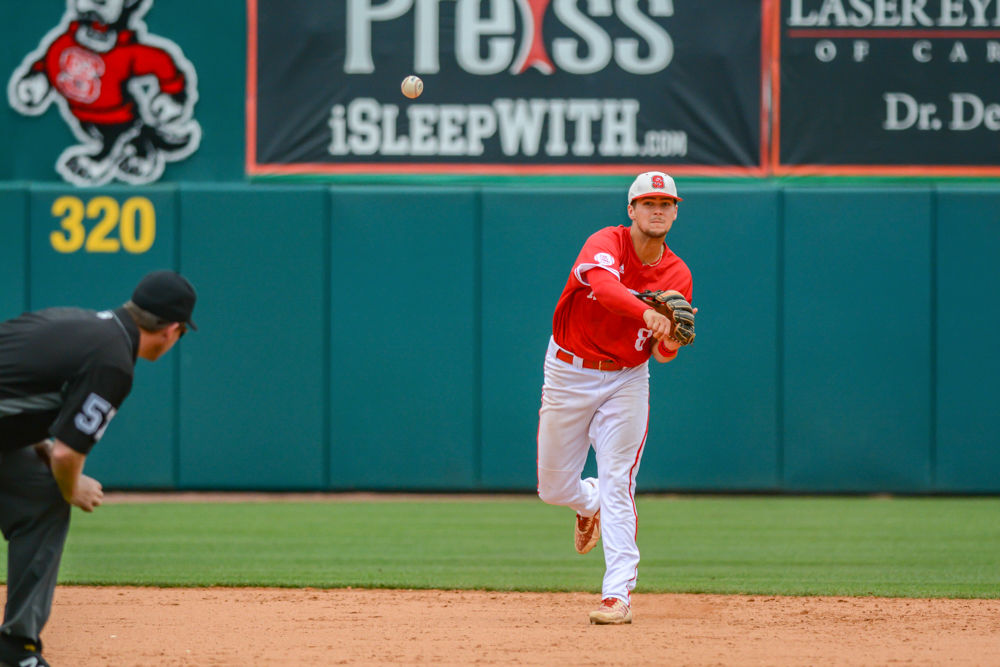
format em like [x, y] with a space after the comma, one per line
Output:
[651, 184]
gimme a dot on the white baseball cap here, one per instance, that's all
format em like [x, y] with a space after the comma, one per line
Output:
[652, 183]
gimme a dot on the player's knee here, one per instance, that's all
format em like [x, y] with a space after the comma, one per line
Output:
[547, 495]
[553, 487]
[546, 492]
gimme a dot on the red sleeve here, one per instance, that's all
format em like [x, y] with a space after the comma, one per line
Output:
[614, 296]
[159, 63]
[57, 43]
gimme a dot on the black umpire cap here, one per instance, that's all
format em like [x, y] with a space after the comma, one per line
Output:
[168, 295]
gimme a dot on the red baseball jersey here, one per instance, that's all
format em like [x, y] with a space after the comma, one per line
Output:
[583, 326]
[94, 83]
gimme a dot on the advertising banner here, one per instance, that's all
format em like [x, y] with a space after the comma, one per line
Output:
[509, 86]
[888, 87]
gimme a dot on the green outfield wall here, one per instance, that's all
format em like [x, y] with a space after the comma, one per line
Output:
[356, 337]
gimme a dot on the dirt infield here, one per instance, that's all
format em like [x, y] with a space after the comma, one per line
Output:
[127, 627]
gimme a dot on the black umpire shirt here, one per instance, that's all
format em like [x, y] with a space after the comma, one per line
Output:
[64, 372]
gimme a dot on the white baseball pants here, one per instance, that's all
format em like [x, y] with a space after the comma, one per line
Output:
[609, 410]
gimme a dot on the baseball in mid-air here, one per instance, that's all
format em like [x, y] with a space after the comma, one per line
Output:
[412, 86]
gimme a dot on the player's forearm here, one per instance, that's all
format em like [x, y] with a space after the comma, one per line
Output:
[614, 296]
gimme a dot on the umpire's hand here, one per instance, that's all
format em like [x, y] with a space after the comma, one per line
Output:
[88, 494]
[76, 488]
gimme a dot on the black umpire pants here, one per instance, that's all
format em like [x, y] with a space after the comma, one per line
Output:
[35, 521]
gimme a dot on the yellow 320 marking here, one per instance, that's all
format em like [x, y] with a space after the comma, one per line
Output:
[135, 221]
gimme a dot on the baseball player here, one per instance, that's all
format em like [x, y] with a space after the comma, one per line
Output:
[596, 389]
[64, 372]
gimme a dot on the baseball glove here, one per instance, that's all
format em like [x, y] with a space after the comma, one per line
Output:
[673, 304]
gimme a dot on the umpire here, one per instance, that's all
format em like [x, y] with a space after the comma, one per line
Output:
[64, 372]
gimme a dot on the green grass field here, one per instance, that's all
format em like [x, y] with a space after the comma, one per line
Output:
[905, 547]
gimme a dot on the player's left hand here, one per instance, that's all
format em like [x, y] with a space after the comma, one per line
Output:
[676, 308]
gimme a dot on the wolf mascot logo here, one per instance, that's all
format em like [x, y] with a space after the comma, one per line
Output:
[127, 95]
